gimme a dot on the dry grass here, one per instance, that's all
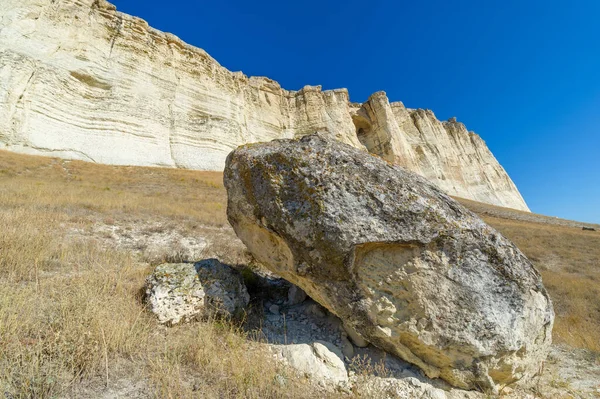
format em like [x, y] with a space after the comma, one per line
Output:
[72, 317]
[83, 190]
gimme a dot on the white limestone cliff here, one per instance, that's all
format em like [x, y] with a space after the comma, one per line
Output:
[80, 80]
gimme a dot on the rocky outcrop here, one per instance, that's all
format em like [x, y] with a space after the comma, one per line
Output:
[179, 292]
[80, 80]
[454, 159]
[400, 262]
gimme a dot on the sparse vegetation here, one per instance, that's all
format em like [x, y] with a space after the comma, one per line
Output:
[72, 317]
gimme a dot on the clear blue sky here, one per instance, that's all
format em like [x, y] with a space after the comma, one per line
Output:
[525, 75]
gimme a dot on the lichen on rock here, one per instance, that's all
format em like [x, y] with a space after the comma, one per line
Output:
[178, 292]
[400, 262]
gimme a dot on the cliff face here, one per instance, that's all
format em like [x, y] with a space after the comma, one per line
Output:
[456, 160]
[80, 80]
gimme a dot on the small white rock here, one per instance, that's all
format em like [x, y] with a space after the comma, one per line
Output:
[355, 337]
[321, 361]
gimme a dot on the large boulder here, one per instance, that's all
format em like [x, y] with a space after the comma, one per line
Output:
[400, 262]
[178, 292]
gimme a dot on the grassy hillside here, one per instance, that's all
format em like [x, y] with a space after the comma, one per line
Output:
[71, 312]
[74, 256]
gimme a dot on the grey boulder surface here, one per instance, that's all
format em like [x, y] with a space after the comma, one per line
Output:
[400, 262]
[179, 292]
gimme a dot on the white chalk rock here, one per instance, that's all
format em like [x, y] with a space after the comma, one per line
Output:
[80, 80]
[319, 361]
[401, 263]
[179, 292]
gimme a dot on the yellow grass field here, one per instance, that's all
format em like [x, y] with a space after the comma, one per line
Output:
[72, 317]
[71, 309]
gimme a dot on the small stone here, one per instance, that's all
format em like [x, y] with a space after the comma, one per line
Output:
[314, 309]
[280, 380]
[295, 295]
[355, 337]
[274, 309]
[273, 319]
[347, 348]
[321, 361]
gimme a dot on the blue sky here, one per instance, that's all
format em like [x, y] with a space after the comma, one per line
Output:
[525, 75]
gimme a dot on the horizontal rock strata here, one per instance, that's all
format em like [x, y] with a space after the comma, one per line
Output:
[80, 80]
